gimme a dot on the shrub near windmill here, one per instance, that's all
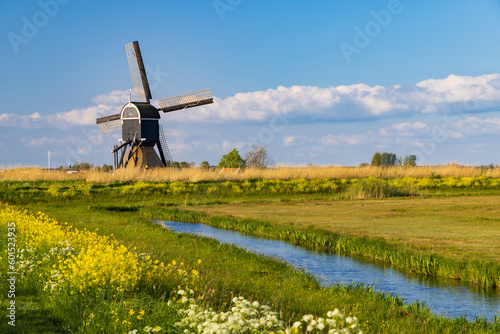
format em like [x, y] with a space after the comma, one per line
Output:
[139, 121]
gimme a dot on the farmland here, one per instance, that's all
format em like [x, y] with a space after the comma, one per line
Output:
[445, 219]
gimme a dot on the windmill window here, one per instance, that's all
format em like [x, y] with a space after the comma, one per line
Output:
[130, 113]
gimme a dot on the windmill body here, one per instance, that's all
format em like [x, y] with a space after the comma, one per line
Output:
[139, 121]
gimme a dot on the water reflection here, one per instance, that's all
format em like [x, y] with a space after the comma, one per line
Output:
[445, 297]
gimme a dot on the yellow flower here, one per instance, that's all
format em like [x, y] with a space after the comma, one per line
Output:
[131, 312]
[142, 312]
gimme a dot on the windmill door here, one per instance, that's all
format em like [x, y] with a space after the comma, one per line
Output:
[131, 129]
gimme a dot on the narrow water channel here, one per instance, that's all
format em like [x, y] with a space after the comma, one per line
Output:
[444, 297]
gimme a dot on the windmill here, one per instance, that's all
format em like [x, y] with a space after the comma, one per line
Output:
[139, 121]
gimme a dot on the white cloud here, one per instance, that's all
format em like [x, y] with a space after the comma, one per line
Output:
[359, 101]
[404, 129]
[116, 97]
[472, 126]
[293, 140]
[43, 141]
[22, 121]
[414, 134]
[342, 139]
[86, 116]
[351, 102]
[110, 104]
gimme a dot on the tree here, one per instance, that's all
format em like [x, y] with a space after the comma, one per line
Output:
[384, 159]
[388, 159]
[377, 159]
[204, 165]
[232, 160]
[410, 161]
[392, 159]
[86, 166]
[176, 164]
[185, 164]
[107, 168]
[258, 157]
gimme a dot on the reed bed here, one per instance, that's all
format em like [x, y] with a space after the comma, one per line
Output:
[279, 173]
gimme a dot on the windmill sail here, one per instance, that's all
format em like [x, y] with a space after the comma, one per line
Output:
[187, 100]
[141, 131]
[138, 72]
[109, 123]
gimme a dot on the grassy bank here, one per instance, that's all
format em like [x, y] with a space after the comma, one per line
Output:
[124, 209]
[457, 227]
[224, 272]
[485, 274]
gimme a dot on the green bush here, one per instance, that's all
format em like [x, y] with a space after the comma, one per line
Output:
[378, 188]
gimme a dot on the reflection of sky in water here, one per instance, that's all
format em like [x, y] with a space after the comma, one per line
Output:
[444, 297]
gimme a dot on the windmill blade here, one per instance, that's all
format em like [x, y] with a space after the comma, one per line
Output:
[109, 123]
[187, 100]
[138, 72]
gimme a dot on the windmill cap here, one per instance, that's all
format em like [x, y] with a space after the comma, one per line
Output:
[146, 110]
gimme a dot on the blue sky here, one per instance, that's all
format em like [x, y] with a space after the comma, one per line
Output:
[323, 82]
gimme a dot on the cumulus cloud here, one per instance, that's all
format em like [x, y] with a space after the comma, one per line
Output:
[404, 129]
[294, 140]
[22, 121]
[109, 104]
[472, 126]
[43, 141]
[414, 133]
[117, 98]
[86, 116]
[342, 139]
[454, 93]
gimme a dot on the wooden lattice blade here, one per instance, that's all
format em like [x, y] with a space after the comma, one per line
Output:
[109, 123]
[138, 72]
[188, 100]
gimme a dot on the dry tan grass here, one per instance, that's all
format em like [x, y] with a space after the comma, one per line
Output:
[283, 173]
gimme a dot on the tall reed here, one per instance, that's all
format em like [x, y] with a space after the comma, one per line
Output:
[281, 173]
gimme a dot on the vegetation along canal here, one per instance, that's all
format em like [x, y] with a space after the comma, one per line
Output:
[443, 296]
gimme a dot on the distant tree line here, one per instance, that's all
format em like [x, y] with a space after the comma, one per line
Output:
[390, 159]
[256, 157]
[87, 166]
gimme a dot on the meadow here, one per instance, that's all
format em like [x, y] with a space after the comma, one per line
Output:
[98, 227]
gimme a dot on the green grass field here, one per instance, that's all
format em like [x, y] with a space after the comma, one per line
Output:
[450, 224]
[457, 227]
